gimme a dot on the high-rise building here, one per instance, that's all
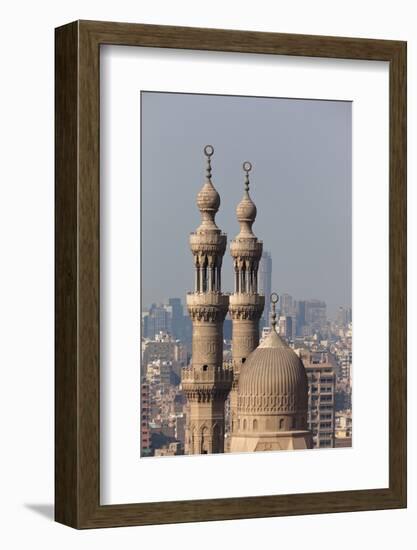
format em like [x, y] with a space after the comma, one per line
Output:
[265, 275]
[286, 305]
[177, 321]
[157, 319]
[344, 316]
[286, 327]
[288, 317]
[164, 348]
[316, 316]
[227, 329]
[245, 304]
[321, 397]
[301, 318]
[206, 382]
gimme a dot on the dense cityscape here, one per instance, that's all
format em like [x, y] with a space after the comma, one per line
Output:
[324, 346]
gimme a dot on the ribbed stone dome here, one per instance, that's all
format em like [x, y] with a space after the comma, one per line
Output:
[246, 209]
[272, 380]
[208, 198]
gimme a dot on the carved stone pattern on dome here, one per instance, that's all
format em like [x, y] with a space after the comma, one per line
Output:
[269, 404]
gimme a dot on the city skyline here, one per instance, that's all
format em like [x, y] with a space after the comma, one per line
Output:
[212, 388]
[165, 302]
[311, 251]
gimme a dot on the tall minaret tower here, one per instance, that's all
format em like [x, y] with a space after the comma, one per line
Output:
[245, 304]
[206, 383]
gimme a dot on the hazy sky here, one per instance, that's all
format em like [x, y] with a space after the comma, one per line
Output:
[300, 183]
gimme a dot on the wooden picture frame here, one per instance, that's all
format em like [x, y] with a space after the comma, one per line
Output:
[77, 405]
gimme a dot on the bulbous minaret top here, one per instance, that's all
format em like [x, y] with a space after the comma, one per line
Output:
[208, 199]
[246, 249]
[207, 242]
[246, 209]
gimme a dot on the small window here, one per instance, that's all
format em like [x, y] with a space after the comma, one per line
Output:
[205, 367]
[243, 360]
[281, 424]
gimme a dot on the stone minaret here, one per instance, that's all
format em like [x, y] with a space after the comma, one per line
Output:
[206, 382]
[245, 304]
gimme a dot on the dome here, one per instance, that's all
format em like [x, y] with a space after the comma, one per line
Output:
[208, 199]
[246, 209]
[272, 380]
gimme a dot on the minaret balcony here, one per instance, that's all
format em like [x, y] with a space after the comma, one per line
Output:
[239, 299]
[193, 378]
[204, 299]
[208, 243]
[246, 248]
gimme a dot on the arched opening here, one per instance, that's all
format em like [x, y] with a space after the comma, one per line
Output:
[243, 360]
[216, 439]
[244, 424]
[204, 285]
[204, 441]
[281, 423]
[255, 425]
[205, 367]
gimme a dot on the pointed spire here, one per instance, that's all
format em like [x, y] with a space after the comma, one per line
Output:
[274, 299]
[208, 151]
[273, 340]
[247, 167]
[208, 199]
[246, 209]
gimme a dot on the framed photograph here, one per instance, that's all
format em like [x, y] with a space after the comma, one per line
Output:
[230, 274]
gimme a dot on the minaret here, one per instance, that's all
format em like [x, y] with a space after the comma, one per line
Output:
[206, 383]
[245, 304]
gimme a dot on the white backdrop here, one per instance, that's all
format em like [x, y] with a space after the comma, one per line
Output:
[26, 218]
